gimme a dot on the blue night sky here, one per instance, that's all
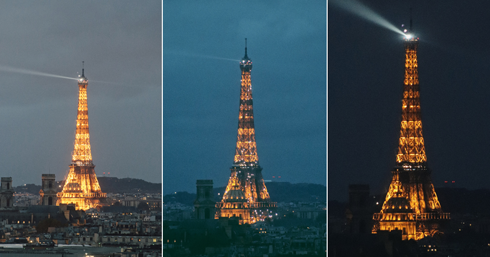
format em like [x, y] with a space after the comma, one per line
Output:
[202, 44]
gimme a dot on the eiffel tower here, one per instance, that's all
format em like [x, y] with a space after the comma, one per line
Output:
[246, 195]
[411, 204]
[81, 186]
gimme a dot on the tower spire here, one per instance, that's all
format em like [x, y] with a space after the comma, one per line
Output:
[246, 148]
[411, 146]
[246, 47]
[83, 69]
[411, 19]
[82, 153]
[246, 63]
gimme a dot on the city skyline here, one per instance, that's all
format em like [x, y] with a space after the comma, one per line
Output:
[123, 67]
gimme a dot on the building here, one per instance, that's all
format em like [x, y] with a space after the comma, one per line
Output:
[48, 192]
[411, 205]
[359, 213]
[81, 186]
[246, 195]
[28, 215]
[204, 205]
[6, 194]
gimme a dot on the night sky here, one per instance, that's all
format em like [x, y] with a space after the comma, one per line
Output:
[120, 42]
[365, 82]
[203, 42]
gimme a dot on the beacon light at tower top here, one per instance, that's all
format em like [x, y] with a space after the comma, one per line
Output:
[81, 78]
[408, 35]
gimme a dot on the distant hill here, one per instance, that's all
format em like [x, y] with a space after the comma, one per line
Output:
[108, 185]
[127, 185]
[180, 197]
[462, 200]
[28, 188]
[301, 192]
[279, 192]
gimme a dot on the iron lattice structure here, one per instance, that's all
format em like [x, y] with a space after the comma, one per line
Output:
[82, 154]
[411, 145]
[81, 186]
[411, 204]
[246, 195]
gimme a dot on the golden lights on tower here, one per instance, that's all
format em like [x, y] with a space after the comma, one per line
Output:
[411, 144]
[81, 152]
[81, 186]
[246, 148]
[411, 204]
[246, 195]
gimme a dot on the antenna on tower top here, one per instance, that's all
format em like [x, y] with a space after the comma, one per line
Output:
[410, 18]
[245, 46]
[83, 64]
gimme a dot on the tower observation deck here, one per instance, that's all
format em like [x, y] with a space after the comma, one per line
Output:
[411, 204]
[246, 195]
[81, 186]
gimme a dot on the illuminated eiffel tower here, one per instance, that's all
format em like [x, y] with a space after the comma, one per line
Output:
[411, 204]
[81, 186]
[246, 195]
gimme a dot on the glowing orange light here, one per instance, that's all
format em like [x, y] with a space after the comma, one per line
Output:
[81, 186]
[246, 191]
[410, 185]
